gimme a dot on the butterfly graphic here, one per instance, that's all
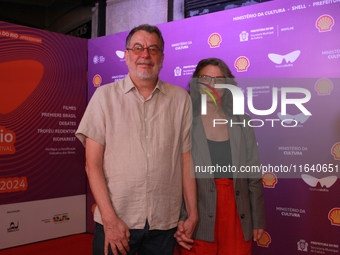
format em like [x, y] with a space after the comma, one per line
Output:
[290, 57]
[120, 54]
[298, 117]
[324, 182]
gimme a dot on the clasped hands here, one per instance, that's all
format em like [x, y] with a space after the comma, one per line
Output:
[185, 230]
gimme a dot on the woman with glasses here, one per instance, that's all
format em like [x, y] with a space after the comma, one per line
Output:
[230, 202]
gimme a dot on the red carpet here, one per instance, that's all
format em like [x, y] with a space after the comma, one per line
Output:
[80, 244]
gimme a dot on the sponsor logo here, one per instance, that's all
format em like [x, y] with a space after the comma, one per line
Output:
[334, 216]
[302, 245]
[60, 218]
[97, 80]
[297, 118]
[214, 40]
[289, 58]
[241, 64]
[324, 182]
[324, 87]
[324, 23]
[244, 36]
[120, 54]
[265, 240]
[336, 151]
[178, 71]
[13, 227]
[98, 59]
[269, 180]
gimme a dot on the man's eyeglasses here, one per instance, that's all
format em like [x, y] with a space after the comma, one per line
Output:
[206, 79]
[139, 49]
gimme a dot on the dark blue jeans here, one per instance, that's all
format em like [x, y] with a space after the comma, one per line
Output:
[142, 241]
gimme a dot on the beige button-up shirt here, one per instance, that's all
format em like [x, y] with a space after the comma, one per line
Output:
[143, 141]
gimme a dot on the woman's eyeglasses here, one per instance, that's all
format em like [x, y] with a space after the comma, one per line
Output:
[206, 79]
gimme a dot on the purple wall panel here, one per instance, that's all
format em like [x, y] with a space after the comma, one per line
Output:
[274, 44]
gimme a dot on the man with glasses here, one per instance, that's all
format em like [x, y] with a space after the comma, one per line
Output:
[137, 137]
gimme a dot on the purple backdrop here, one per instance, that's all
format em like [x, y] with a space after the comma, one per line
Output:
[273, 44]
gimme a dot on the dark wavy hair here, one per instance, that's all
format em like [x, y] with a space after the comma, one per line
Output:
[227, 99]
[148, 28]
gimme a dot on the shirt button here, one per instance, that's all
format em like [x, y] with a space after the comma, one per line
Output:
[242, 216]
[210, 215]
[237, 193]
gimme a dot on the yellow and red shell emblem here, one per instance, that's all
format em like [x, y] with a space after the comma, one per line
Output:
[269, 180]
[97, 80]
[324, 23]
[334, 216]
[336, 151]
[214, 40]
[265, 240]
[241, 64]
[324, 86]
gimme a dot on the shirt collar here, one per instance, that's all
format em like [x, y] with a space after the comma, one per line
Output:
[128, 85]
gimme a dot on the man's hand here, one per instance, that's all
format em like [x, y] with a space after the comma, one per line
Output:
[257, 233]
[117, 235]
[184, 233]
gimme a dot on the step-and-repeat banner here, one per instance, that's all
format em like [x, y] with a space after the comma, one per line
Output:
[286, 59]
[42, 99]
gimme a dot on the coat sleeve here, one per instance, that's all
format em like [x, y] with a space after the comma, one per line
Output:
[254, 178]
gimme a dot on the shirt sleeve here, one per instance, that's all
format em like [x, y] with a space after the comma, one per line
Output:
[92, 124]
[186, 127]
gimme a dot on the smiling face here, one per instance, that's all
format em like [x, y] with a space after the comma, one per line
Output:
[144, 66]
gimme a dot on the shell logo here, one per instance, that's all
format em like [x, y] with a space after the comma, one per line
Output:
[324, 86]
[324, 23]
[97, 80]
[269, 180]
[336, 151]
[241, 64]
[334, 216]
[214, 40]
[265, 240]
